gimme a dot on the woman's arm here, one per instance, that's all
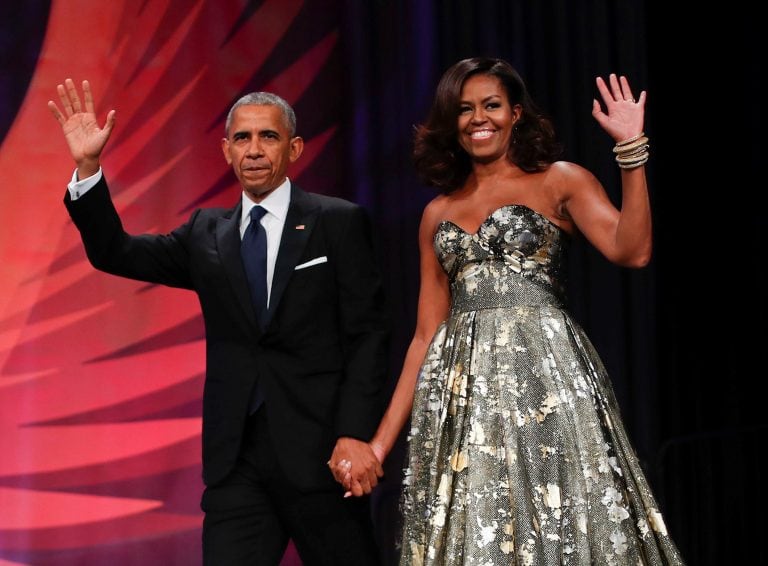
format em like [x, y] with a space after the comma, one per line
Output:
[622, 236]
[433, 307]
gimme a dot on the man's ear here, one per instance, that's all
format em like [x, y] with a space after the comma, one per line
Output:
[297, 147]
[225, 150]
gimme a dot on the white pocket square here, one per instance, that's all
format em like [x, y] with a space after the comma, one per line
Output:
[311, 262]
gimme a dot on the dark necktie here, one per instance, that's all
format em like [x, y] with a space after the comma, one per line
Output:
[254, 251]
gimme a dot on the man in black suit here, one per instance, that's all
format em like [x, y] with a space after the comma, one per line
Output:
[295, 363]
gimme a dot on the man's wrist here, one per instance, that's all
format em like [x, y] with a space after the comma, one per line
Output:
[87, 168]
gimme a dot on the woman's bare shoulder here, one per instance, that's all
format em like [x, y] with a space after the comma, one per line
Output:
[568, 170]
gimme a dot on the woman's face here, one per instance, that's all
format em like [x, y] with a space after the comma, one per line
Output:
[486, 118]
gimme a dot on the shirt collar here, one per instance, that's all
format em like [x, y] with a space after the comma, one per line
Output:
[276, 203]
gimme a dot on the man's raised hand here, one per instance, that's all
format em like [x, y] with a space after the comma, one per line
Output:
[85, 138]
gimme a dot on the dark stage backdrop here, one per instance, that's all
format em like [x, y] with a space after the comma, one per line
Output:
[100, 378]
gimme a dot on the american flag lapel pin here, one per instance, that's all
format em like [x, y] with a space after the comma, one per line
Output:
[300, 227]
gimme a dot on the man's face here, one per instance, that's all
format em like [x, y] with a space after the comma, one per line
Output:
[259, 148]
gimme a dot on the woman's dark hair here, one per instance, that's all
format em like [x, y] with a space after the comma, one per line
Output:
[439, 159]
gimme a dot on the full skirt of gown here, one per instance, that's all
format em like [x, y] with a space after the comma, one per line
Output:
[517, 453]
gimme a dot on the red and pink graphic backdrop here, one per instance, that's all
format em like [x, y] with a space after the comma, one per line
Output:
[101, 378]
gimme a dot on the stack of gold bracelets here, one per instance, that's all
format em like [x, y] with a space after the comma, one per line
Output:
[633, 152]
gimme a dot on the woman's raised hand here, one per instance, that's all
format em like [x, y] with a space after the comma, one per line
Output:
[623, 116]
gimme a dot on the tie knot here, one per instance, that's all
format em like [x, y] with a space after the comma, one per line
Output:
[257, 213]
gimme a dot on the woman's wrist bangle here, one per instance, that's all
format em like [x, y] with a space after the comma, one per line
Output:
[630, 140]
[632, 152]
[629, 146]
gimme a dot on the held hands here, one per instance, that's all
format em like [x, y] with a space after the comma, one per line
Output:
[356, 465]
[84, 137]
[624, 117]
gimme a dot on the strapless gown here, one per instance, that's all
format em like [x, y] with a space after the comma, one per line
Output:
[517, 453]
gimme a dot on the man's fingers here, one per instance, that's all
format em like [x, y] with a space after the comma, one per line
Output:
[373, 479]
[55, 111]
[369, 476]
[358, 487]
[365, 483]
[65, 103]
[360, 483]
[88, 97]
[73, 96]
[340, 469]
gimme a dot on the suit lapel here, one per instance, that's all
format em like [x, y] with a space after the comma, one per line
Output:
[299, 223]
[228, 243]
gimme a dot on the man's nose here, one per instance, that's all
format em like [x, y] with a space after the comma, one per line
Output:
[254, 148]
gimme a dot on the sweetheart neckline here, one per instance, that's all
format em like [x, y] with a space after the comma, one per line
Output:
[512, 205]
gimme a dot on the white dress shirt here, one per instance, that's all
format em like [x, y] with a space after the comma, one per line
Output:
[79, 188]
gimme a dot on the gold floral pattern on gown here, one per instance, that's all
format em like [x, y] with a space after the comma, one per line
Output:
[517, 453]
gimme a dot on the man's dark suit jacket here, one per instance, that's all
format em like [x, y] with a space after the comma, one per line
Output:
[321, 361]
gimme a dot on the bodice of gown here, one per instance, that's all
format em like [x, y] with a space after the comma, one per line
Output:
[516, 257]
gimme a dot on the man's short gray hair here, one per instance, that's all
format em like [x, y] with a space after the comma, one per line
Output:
[264, 99]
